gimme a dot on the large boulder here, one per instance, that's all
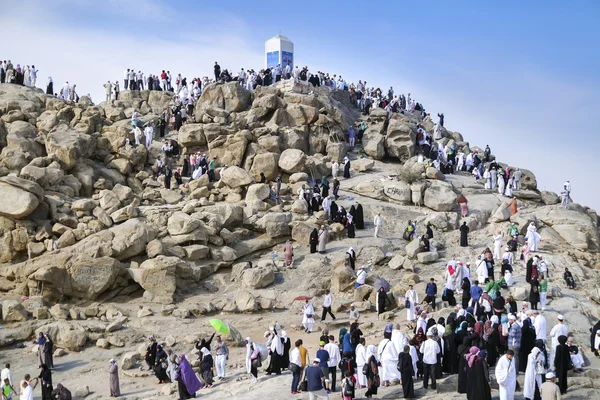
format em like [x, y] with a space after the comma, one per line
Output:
[374, 144]
[230, 97]
[258, 278]
[439, 196]
[258, 191]
[399, 191]
[400, 138]
[267, 163]
[292, 161]
[235, 177]
[17, 201]
[192, 135]
[67, 145]
[131, 238]
[342, 279]
[158, 277]
[413, 248]
[13, 311]
[65, 274]
[180, 223]
[275, 224]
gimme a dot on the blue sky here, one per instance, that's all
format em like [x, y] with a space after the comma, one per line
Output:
[522, 77]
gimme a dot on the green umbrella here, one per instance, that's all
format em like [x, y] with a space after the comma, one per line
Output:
[219, 326]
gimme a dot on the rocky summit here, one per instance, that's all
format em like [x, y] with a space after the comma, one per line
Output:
[97, 251]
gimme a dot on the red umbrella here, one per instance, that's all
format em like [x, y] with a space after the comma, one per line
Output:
[302, 298]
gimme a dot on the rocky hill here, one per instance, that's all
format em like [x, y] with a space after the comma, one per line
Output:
[87, 235]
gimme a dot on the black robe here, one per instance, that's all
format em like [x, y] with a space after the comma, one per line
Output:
[46, 384]
[347, 170]
[593, 336]
[527, 344]
[450, 360]
[464, 230]
[151, 354]
[185, 171]
[285, 358]
[325, 190]
[333, 209]
[183, 393]
[492, 345]
[373, 379]
[168, 175]
[159, 370]
[50, 89]
[477, 382]
[353, 213]
[359, 218]
[315, 204]
[429, 232]
[314, 241]
[462, 365]
[529, 270]
[351, 259]
[48, 351]
[407, 374]
[351, 232]
[562, 363]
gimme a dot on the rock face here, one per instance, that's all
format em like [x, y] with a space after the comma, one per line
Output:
[256, 278]
[230, 97]
[440, 197]
[292, 161]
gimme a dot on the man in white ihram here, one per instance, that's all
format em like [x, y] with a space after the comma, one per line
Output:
[506, 376]
[378, 221]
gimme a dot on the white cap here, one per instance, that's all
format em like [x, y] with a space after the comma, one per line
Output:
[352, 305]
[316, 360]
[560, 317]
[550, 375]
[511, 316]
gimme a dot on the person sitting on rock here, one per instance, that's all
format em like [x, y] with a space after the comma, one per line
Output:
[568, 277]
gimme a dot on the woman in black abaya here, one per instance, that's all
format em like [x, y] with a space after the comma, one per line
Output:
[407, 373]
[359, 219]
[333, 210]
[347, 169]
[314, 240]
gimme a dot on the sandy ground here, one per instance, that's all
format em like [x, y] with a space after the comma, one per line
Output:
[89, 367]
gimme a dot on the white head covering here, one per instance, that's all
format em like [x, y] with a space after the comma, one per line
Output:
[550, 375]
[249, 340]
[371, 351]
[205, 351]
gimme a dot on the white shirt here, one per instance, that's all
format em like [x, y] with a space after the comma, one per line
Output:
[126, 74]
[6, 374]
[27, 393]
[430, 349]
[558, 330]
[540, 327]
[327, 300]
[334, 354]
[362, 276]
[295, 356]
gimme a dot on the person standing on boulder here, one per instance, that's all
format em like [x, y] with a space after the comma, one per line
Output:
[217, 70]
[108, 87]
[464, 231]
[322, 239]
[517, 175]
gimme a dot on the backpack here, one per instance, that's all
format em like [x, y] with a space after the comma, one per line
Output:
[348, 387]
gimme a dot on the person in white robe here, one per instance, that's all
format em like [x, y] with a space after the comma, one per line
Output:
[335, 167]
[533, 238]
[461, 161]
[558, 330]
[322, 239]
[137, 135]
[399, 339]
[508, 256]
[539, 324]
[576, 358]
[506, 377]
[148, 132]
[494, 178]
[469, 161]
[361, 359]
[65, 91]
[497, 245]
[412, 296]
[249, 352]
[308, 316]
[488, 179]
[450, 274]
[388, 357]
[482, 271]
[533, 372]
[501, 184]
[327, 205]
[414, 356]
[509, 188]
